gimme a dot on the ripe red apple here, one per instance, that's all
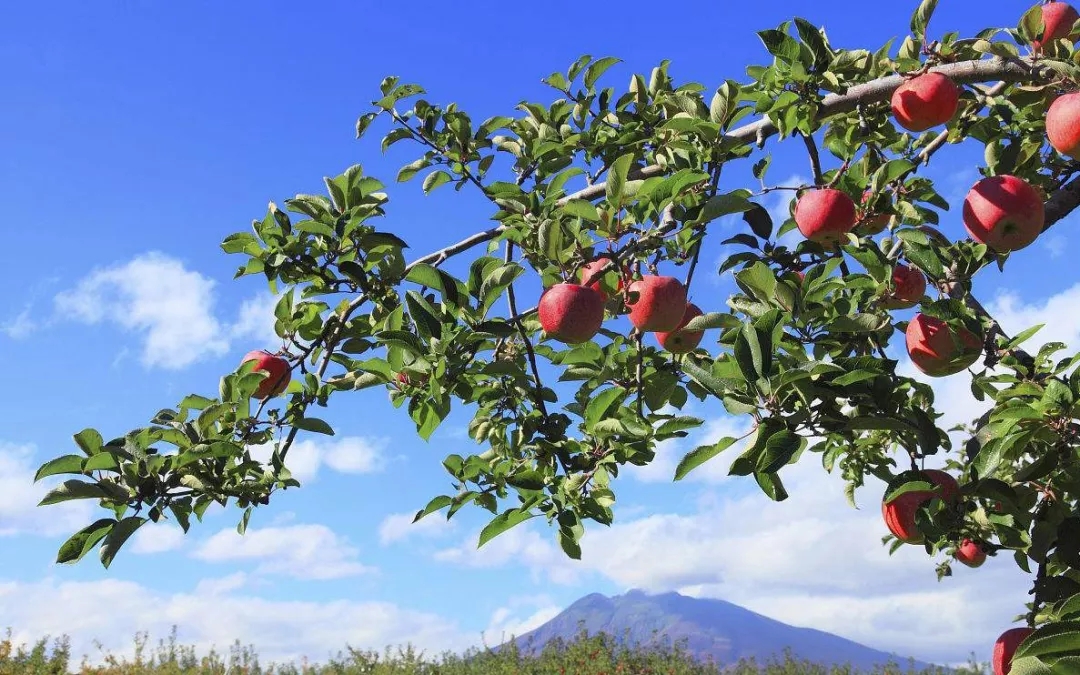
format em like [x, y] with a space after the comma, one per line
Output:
[1063, 124]
[925, 101]
[970, 553]
[869, 222]
[1006, 645]
[681, 341]
[659, 305]
[909, 287]
[1004, 212]
[1058, 19]
[933, 350]
[279, 373]
[899, 514]
[571, 313]
[595, 270]
[825, 215]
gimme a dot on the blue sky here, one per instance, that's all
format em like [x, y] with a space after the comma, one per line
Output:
[137, 136]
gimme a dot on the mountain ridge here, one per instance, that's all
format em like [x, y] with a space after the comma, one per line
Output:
[710, 628]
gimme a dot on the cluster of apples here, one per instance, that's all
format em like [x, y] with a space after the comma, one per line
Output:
[899, 516]
[572, 313]
[1004, 212]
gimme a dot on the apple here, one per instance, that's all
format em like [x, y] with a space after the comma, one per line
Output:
[869, 222]
[1004, 212]
[1063, 124]
[909, 287]
[899, 514]
[933, 349]
[970, 553]
[925, 101]
[1058, 19]
[657, 303]
[571, 313]
[278, 369]
[1006, 645]
[680, 341]
[596, 270]
[825, 215]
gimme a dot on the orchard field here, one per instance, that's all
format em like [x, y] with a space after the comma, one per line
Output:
[585, 655]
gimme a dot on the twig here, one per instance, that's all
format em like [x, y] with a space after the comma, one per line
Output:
[815, 158]
[512, 302]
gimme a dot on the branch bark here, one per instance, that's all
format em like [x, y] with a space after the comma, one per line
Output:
[876, 91]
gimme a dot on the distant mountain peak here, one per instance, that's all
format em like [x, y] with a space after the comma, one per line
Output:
[712, 628]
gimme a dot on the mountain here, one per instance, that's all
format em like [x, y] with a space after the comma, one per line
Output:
[711, 628]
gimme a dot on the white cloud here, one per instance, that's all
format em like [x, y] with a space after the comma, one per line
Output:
[222, 585]
[398, 527]
[256, 320]
[508, 621]
[21, 326]
[1055, 244]
[157, 296]
[348, 454]
[279, 630]
[157, 538]
[299, 551]
[168, 305]
[19, 497]
[519, 545]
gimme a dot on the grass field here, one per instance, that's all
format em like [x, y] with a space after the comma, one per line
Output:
[585, 655]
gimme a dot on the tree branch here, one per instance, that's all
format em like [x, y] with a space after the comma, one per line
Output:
[962, 72]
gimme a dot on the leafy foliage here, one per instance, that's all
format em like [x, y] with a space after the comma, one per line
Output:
[640, 176]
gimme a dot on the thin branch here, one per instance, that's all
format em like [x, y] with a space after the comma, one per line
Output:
[512, 302]
[815, 158]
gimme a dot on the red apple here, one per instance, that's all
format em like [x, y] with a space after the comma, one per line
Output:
[659, 304]
[909, 287]
[933, 350]
[278, 369]
[825, 215]
[925, 101]
[1006, 645]
[1063, 124]
[571, 313]
[1004, 212]
[970, 553]
[595, 270]
[680, 341]
[899, 514]
[1058, 19]
[869, 222]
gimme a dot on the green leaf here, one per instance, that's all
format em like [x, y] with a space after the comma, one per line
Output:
[440, 502]
[921, 18]
[779, 450]
[748, 353]
[313, 424]
[616, 182]
[601, 404]
[771, 485]
[596, 69]
[119, 533]
[73, 489]
[83, 541]
[435, 179]
[90, 441]
[64, 464]
[501, 523]
[700, 455]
